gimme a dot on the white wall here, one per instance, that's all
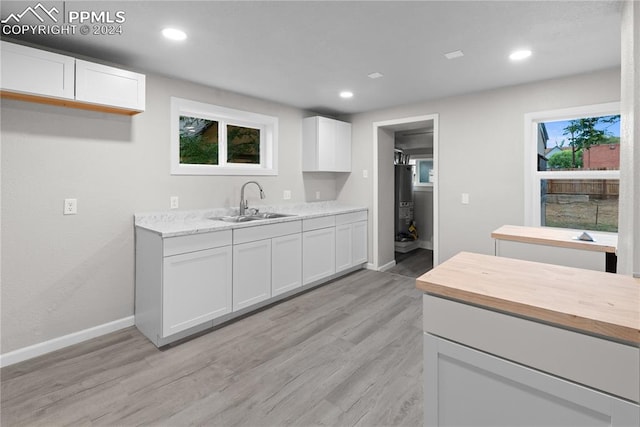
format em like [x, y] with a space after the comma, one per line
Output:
[480, 153]
[629, 217]
[62, 274]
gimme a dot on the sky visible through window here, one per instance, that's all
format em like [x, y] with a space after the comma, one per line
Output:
[555, 131]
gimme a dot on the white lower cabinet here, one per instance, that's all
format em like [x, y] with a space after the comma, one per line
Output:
[464, 386]
[251, 273]
[318, 254]
[351, 240]
[359, 242]
[196, 288]
[344, 247]
[286, 263]
[188, 283]
[181, 282]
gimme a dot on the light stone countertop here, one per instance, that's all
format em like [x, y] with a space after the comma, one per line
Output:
[179, 223]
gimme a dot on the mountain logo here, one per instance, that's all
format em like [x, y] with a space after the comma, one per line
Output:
[37, 11]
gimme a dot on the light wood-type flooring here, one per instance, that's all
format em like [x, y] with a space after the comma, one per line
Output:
[414, 263]
[345, 354]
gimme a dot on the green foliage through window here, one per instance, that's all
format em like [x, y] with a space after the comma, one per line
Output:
[243, 145]
[198, 141]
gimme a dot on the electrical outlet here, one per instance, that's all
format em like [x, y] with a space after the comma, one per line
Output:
[173, 202]
[465, 198]
[286, 195]
[70, 207]
[365, 173]
[317, 195]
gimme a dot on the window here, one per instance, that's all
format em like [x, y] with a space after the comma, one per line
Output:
[572, 168]
[212, 140]
[422, 172]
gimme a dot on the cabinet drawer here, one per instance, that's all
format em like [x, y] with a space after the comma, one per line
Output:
[348, 218]
[317, 223]
[196, 242]
[595, 362]
[268, 231]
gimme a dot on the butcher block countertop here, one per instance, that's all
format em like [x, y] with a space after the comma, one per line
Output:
[593, 302]
[562, 237]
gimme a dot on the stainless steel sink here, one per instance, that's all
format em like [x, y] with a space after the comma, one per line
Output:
[269, 215]
[237, 218]
[254, 217]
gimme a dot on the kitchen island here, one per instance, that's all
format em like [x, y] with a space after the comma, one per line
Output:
[559, 246]
[513, 343]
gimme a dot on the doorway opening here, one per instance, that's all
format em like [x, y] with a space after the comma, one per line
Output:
[400, 226]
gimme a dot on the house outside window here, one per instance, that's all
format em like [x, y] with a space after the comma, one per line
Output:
[572, 168]
[213, 140]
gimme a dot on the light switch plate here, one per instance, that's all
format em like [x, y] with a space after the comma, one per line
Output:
[465, 198]
[173, 202]
[286, 195]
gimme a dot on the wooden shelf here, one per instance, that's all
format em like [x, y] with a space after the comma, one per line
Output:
[67, 103]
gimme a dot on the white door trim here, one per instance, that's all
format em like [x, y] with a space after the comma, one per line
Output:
[436, 163]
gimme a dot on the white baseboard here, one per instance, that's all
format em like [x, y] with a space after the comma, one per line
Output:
[426, 244]
[39, 349]
[387, 266]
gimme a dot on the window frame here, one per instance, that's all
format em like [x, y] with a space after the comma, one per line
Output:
[533, 177]
[268, 126]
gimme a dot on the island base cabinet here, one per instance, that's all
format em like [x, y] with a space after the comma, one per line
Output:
[196, 288]
[251, 273]
[464, 386]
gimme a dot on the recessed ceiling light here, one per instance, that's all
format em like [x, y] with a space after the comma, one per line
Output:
[453, 55]
[375, 75]
[174, 34]
[346, 94]
[519, 55]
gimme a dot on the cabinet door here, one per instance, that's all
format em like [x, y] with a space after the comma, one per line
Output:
[37, 72]
[318, 254]
[326, 144]
[344, 251]
[104, 85]
[359, 242]
[463, 386]
[251, 273]
[286, 263]
[342, 147]
[196, 288]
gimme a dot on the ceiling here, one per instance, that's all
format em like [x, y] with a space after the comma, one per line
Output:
[303, 53]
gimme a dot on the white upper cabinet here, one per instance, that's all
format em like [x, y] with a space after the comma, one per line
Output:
[33, 71]
[326, 145]
[104, 85]
[36, 75]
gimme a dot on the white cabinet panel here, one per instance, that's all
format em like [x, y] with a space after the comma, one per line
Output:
[251, 273]
[359, 242]
[342, 147]
[351, 245]
[344, 247]
[326, 145]
[104, 85]
[318, 254]
[286, 263]
[196, 288]
[464, 386]
[34, 71]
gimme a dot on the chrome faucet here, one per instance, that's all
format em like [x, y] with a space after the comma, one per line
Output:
[243, 203]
